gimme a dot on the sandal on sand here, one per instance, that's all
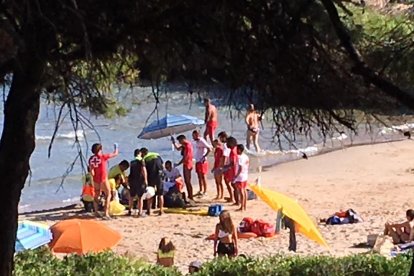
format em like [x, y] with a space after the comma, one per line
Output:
[106, 218]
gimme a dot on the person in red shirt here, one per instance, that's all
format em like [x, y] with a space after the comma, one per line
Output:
[230, 169]
[187, 152]
[99, 171]
[218, 175]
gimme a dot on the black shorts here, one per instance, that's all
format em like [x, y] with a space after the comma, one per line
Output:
[137, 190]
[226, 249]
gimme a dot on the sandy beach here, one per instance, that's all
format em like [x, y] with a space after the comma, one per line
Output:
[375, 180]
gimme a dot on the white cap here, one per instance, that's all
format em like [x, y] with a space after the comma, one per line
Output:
[196, 264]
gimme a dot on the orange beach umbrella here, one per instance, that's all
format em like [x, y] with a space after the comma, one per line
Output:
[291, 209]
[82, 236]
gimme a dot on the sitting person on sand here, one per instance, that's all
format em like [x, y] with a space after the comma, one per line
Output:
[88, 193]
[115, 183]
[170, 176]
[225, 240]
[401, 232]
[165, 254]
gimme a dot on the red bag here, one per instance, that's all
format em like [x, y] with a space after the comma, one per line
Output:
[246, 225]
[256, 227]
[179, 182]
[267, 229]
[263, 228]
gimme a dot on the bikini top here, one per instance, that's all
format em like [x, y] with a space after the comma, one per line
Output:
[222, 234]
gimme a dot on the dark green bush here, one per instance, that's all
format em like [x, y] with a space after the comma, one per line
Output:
[364, 265]
[42, 262]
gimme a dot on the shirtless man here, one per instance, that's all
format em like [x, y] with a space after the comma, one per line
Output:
[252, 122]
[210, 120]
[401, 232]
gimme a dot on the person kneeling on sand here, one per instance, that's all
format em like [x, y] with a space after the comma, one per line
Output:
[165, 253]
[401, 232]
[114, 184]
[170, 176]
[225, 241]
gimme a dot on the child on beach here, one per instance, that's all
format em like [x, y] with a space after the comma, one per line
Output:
[115, 182]
[240, 180]
[225, 241]
[218, 175]
[99, 171]
[401, 232]
[88, 193]
[165, 253]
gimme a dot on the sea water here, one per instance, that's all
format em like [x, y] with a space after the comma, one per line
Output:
[45, 189]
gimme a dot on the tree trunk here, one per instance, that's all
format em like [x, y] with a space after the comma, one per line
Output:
[16, 146]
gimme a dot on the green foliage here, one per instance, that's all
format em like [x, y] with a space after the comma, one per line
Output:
[316, 265]
[386, 42]
[42, 262]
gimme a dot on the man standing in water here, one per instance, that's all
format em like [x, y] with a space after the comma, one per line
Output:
[99, 170]
[202, 149]
[252, 122]
[186, 149]
[210, 120]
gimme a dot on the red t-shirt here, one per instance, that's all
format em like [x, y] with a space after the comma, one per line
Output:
[98, 164]
[234, 161]
[218, 154]
[188, 155]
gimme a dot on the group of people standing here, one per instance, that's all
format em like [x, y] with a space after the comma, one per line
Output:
[147, 173]
[145, 178]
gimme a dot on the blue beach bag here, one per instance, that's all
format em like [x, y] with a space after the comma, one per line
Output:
[215, 210]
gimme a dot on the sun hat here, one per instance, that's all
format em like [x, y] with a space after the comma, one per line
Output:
[195, 264]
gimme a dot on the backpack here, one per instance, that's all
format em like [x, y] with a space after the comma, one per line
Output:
[267, 230]
[215, 210]
[246, 225]
[174, 200]
[251, 195]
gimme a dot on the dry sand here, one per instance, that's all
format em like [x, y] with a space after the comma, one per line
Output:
[375, 180]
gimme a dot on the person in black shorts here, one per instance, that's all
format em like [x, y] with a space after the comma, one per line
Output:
[154, 166]
[137, 182]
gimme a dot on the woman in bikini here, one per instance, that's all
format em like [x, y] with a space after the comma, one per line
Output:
[401, 232]
[225, 242]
